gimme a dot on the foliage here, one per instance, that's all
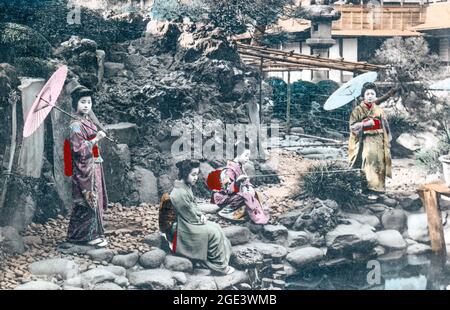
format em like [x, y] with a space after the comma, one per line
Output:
[429, 158]
[33, 67]
[410, 61]
[399, 124]
[279, 96]
[344, 187]
[49, 17]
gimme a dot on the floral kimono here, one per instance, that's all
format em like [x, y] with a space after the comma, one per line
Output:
[204, 241]
[235, 195]
[369, 148]
[84, 164]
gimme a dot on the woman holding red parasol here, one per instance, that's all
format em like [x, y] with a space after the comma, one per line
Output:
[83, 162]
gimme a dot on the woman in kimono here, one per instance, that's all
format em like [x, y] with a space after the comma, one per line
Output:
[84, 164]
[237, 197]
[369, 143]
[196, 237]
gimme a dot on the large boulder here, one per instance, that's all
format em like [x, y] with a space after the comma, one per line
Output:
[145, 184]
[228, 281]
[244, 257]
[55, 267]
[155, 279]
[391, 239]
[101, 255]
[275, 232]
[94, 276]
[418, 227]
[177, 263]
[237, 234]
[368, 219]
[10, 241]
[298, 238]
[418, 140]
[126, 133]
[38, 285]
[288, 219]
[200, 283]
[126, 260]
[305, 257]
[354, 237]
[152, 259]
[394, 219]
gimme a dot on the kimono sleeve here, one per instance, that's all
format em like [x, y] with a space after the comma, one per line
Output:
[185, 207]
[80, 145]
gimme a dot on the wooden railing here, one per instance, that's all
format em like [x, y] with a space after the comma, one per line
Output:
[379, 18]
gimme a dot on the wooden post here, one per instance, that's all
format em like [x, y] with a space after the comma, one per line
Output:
[261, 65]
[430, 198]
[288, 104]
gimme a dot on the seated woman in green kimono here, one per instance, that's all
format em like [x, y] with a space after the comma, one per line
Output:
[196, 237]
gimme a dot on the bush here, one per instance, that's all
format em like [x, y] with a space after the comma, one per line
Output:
[344, 187]
[33, 67]
[21, 41]
[429, 158]
[279, 96]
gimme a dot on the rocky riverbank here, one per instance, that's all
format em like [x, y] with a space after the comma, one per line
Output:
[304, 235]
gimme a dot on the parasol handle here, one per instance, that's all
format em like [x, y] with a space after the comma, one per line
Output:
[71, 116]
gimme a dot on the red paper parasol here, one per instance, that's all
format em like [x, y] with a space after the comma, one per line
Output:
[45, 101]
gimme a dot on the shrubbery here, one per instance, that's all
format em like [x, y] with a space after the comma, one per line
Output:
[344, 187]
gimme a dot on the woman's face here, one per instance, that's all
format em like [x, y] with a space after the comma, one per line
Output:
[245, 157]
[192, 177]
[84, 105]
[370, 95]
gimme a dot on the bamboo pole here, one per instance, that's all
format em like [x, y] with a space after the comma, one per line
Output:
[288, 104]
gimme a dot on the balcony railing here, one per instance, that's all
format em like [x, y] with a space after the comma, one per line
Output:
[379, 17]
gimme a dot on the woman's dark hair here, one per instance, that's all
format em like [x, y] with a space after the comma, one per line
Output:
[78, 93]
[369, 85]
[185, 167]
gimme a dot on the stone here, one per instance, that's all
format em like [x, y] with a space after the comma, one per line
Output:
[350, 238]
[122, 281]
[155, 279]
[55, 267]
[418, 249]
[288, 219]
[243, 257]
[154, 240]
[275, 232]
[394, 219]
[391, 239]
[10, 240]
[117, 270]
[200, 283]
[298, 238]
[305, 257]
[390, 202]
[180, 277]
[414, 141]
[237, 234]
[208, 208]
[145, 184]
[72, 288]
[254, 228]
[227, 281]
[38, 285]
[101, 255]
[418, 227]
[411, 203]
[126, 133]
[269, 249]
[368, 219]
[177, 263]
[113, 69]
[152, 259]
[377, 208]
[126, 260]
[107, 286]
[94, 276]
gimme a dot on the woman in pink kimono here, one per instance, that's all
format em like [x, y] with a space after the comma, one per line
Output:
[84, 164]
[237, 197]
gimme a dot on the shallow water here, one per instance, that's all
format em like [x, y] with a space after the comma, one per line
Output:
[410, 272]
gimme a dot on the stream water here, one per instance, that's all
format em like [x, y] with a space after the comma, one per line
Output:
[425, 272]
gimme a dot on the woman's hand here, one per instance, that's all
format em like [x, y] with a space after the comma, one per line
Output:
[100, 135]
[203, 218]
[242, 177]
